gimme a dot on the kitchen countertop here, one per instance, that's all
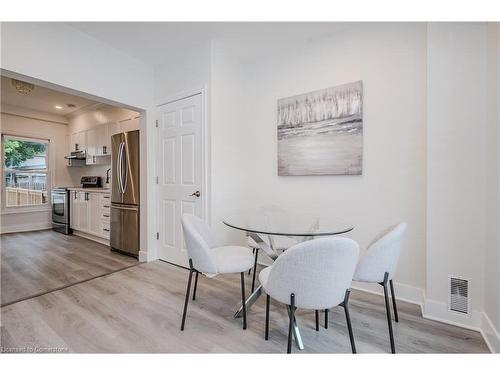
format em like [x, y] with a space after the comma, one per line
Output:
[90, 190]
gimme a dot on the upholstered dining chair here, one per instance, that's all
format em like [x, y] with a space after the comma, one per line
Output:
[379, 264]
[206, 256]
[314, 275]
[280, 243]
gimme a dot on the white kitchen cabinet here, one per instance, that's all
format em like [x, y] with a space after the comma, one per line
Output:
[98, 145]
[94, 213]
[74, 210]
[90, 213]
[92, 141]
[124, 126]
[129, 125]
[78, 141]
[84, 211]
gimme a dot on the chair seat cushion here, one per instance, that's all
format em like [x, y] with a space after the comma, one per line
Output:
[230, 259]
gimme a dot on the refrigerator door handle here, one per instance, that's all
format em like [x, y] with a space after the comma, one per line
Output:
[118, 167]
[125, 167]
[119, 161]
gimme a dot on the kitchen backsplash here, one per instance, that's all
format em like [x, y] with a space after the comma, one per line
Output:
[88, 170]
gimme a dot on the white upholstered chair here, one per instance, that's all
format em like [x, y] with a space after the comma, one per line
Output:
[280, 244]
[206, 256]
[379, 264]
[314, 275]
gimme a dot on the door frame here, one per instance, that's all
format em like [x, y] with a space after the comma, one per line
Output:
[205, 154]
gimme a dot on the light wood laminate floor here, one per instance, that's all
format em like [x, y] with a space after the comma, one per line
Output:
[38, 262]
[139, 310]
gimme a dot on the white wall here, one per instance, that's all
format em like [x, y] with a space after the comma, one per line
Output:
[188, 69]
[457, 163]
[22, 122]
[63, 56]
[492, 249]
[390, 59]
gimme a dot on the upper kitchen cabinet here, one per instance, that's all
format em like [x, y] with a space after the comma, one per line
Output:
[95, 141]
[98, 145]
[78, 141]
[125, 126]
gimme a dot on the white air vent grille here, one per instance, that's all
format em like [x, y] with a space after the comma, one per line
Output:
[459, 295]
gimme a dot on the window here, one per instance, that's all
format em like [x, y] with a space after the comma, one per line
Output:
[25, 169]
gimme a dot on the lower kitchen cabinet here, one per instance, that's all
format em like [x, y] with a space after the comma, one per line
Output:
[89, 213]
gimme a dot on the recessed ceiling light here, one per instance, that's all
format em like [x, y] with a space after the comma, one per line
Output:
[58, 107]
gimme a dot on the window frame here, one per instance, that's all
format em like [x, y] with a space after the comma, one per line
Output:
[47, 206]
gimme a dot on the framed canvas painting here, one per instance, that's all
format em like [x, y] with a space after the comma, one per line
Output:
[321, 132]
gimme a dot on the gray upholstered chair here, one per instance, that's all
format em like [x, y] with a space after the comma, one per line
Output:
[379, 264]
[206, 256]
[314, 275]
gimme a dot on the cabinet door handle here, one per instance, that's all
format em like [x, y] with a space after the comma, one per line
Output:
[105, 215]
[106, 230]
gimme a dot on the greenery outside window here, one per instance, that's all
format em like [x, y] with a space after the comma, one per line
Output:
[25, 171]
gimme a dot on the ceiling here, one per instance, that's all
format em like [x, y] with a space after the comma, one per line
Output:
[42, 99]
[154, 43]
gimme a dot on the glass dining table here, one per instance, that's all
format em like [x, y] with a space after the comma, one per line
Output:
[275, 229]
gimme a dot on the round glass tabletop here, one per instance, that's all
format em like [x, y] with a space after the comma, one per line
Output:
[281, 222]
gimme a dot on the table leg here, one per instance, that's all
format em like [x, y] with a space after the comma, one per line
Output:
[249, 302]
[296, 333]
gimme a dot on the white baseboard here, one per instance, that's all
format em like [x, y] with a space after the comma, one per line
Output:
[438, 310]
[490, 334]
[25, 227]
[404, 292]
[143, 256]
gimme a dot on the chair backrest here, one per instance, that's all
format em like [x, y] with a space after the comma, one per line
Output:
[382, 255]
[318, 272]
[199, 240]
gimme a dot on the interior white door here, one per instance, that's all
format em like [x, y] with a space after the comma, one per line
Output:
[180, 173]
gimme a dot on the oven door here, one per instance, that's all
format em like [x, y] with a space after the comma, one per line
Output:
[59, 207]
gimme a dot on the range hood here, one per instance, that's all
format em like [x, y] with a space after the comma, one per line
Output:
[77, 155]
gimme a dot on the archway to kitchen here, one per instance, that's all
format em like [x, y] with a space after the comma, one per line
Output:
[74, 151]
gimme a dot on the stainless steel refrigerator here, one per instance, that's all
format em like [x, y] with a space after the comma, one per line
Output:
[125, 193]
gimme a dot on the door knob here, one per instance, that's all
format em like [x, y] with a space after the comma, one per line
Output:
[196, 194]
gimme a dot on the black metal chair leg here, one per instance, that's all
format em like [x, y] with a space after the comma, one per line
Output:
[255, 269]
[348, 319]
[195, 285]
[268, 302]
[243, 300]
[290, 324]
[250, 270]
[388, 310]
[326, 318]
[396, 318]
[317, 319]
[188, 290]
